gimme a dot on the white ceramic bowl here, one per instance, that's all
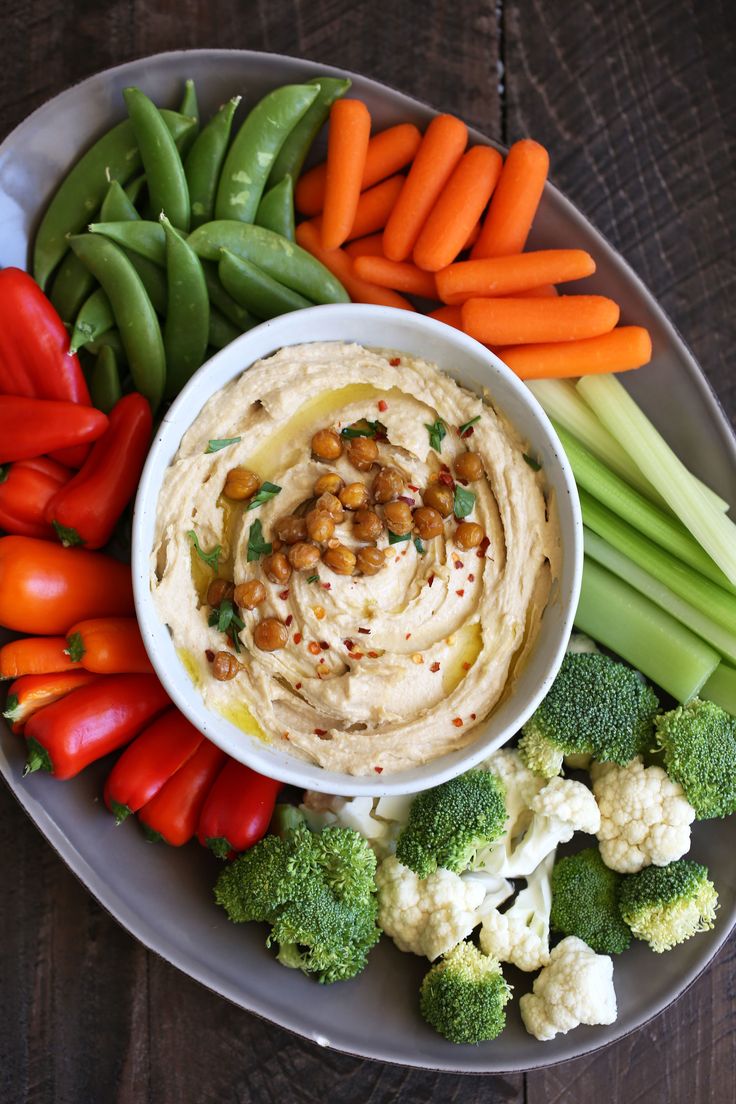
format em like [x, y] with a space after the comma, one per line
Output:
[473, 366]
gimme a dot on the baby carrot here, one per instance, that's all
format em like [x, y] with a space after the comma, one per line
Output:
[341, 266]
[523, 321]
[472, 236]
[347, 145]
[544, 291]
[458, 208]
[514, 202]
[620, 350]
[441, 149]
[494, 276]
[399, 275]
[388, 151]
[35, 655]
[451, 316]
[373, 209]
[370, 246]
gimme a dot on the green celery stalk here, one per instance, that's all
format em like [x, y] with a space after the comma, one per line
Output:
[652, 587]
[721, 688]
[665, 471]
[646, 636]
[666, 531]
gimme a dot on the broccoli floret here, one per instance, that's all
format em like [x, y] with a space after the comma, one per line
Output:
[595, 706]
[665, 905]
[699, 743]
[585, 902]
[318, 893]
[449, 823]
[463, 996]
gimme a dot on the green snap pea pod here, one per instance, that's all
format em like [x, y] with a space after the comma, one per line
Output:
[143, 236]
[204, 161]
[135, 317]
[153, 278]
[136, 188]
[104, 380]
[188, 311]
[189, 106]
[111, 338]
[255, 147]
[285, 261]
[221, 331]
[256, 290]
[167, 185]
[224, 302]
[71, 285]
[115, 156]
[117, 206]
[95, 318]
[276, 209]
[293, 153]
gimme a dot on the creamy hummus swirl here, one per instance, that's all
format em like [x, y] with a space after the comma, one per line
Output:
[380, 672]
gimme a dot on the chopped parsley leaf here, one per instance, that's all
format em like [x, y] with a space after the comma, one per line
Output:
[257, 546]
[464, 501]
[437, 432]
[212, 559]
[267, 492]
[218, 443]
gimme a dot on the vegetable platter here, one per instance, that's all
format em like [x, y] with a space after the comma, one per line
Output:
[168, 903]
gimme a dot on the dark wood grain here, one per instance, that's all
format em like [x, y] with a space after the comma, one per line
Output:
[635, 101]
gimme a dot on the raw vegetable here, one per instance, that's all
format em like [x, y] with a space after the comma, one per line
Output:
[515, 201]
[108, 646]
[399, 275]
[237, 811]
[521, 786]
[165, 179]
[29, 693]
[666, 905]
[26, 488]
[173, 814]
[517, 275]
[347, 145]
[699, 744]
[620, 350]
[520, 935]
[721, 688]
[503, 322]
[576, 987]
[276, 209]
[203, 163]
[34, 655]
[31, 427]
[373, 209]
[104, 382]
[255, 290]
[341, 266]
[463, 997]
[187, 311]
[369, 246]
[293, 152]
[585, 902]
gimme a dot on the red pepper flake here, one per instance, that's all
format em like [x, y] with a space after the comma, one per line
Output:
[314, 647]
[356, 655]
[471, 577]
[460, 592]
[378, 770]
[458, 722]
[468, 432]
[366, 631]
[349, 645]
[209, 655]
[283, 595]
[472, 716]
[446, 478]
[285, 736]
[382, 405]
[288, 620]
[408, 636]
[435, 667]
[412, 487]
[297, 638]
[466, 666]
[373, 655]
[430, 580]
[327, 586]
[482, 548]
[320, 732]
[395, 361]
[458, 565]
[324, 645]
[297, 686]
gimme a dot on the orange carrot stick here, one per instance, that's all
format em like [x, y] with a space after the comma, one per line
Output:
[544, 291]
[451, 316]
[341, 266]
[472, 236]
[109, 646]
[373, 210]
[441, 149]
[513, 275]
[620, 350]
[526, 321]
[459, 206]
[399, 275]
[347, 145]
[514, 202]
[387, 152]
[369, 246]
[35, 655]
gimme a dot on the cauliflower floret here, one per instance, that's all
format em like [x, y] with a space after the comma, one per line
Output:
[521, 786]
[645, 817]
[576, 987]
[521, 934]
[379, 820]
[426, 916]
[579, 642]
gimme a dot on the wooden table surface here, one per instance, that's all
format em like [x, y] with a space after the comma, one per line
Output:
[635, 100]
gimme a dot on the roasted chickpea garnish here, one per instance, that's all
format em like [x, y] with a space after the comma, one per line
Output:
[362, 453]
[249, 595]
[270, 635]
[355, 496]
[340, 559]
[291, 529]
[331, 482]
[440, 498]
[303, 556]
[218, 591]
[277, 567]
[331, 505]
[320, 526]
[326, 444]
[388, 484]
[240, 483]
[367, 525]
[469, 534]
[398, 517]
[469, 466]
[428, 522]
[225, 666]
[370, 560]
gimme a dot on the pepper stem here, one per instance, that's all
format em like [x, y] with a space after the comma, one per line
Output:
[120, 812]
[219, 846]
[38, 758]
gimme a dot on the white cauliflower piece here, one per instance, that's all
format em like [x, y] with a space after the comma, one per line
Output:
[496, 889]
[426, 916]
[379, 820]
[520, 783]
[521, 934]
[579, 642]
[645, 816]
[576, 987]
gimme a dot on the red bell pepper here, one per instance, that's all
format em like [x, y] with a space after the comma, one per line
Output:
[149, 762]
[109, 646]
[29, 693]
[26, 488]
[237, 811]
[86, 509]
[80, 728]
[173, 814]
[33, 427]
[35, 655]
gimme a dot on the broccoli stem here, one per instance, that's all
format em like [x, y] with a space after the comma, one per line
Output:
[721, 688]
[646, 636]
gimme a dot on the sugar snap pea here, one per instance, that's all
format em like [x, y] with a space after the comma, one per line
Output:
[256, 290]
[136, 319]
[293, 153]
[204, 161]
[286, 262]
[71, 285]
[143, 236]
[167, 185]
[104, 380]
[189, 106]
[221, 331]
[111, 338]
[135, 189]
[115, 156]
[255, 147]
[224, 302]
[95, 318]
[276, 209]
[188, 311]
[117, 205]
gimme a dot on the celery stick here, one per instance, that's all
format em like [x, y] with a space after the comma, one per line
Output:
[714, 634]
[710, 599]
[631, 625]
[721, 688]
[615, 494]
[659, 464]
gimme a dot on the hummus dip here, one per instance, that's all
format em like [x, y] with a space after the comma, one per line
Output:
[361, 673]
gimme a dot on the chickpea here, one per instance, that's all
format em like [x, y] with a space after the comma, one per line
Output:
[331, 482]
[362, 453]
[370, 560]
[469, 466]
[218, 591]
[428, 522]
[249, 595]
[367, 526]
[469, 534]
[398, 517]
[388, 484]
[303, 556]
[291, 529]
[320, 526]
[277, 567]
[355, 496]
[225, 666]
[331, 505]
[341, 559]
[326, 444]
[270, 634]
[240, 483]
[440, 498]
